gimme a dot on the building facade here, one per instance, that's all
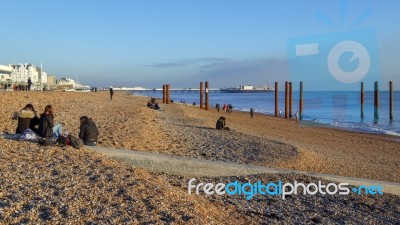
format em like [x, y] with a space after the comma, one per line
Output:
[66, 81]
[22, 72]
[5, 74]
[51, 80]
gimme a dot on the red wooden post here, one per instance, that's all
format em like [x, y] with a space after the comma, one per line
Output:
[286, 99]
[276, 100]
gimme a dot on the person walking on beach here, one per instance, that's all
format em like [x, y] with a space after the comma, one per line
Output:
[88, 131]
[47, 128]
[111, 93]
[29, 84]
[296, 115]
[217, 106]
[230, 107]
[251, 112]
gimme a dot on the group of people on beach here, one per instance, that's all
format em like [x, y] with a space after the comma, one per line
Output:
[293, 115]
[226, 108]
[45, 129]
[152, 104]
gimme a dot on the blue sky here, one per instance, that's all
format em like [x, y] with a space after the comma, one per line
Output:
[149, 43]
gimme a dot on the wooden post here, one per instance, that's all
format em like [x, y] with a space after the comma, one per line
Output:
[276, 100]
[301, 102]
[391, 100]
[290, 100]
[376, 101]
[164, 97]
[167, 90]
[286, 99]
[362, 100]
[206, 95]
[201, 95]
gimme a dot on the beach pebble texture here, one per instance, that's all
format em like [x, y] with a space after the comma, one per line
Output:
[223, 145]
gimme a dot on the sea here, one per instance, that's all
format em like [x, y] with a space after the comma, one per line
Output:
[338, 109]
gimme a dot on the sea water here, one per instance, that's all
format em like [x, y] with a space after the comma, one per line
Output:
[339, 109]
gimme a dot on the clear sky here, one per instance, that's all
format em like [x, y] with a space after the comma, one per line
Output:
[152, 42]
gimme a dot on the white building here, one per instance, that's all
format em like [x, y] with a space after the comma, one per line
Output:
[5, 73]
[22, 72]
[66, 81]
[43, 77]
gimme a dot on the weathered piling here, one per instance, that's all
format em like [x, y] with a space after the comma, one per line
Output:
[201, 95]
[276, 100]
[167, 90]
[376, 101]
[362, 100]
[301, 102]
[286, 99]
[290, 100]
[391, 100]
[206, 95]
[164, 97]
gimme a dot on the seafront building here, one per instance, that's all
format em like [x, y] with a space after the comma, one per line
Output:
[17, 74]
[51, 80]
[12, 76]
[5, 76]
[5, 73]
[65, 81]
[22, 72]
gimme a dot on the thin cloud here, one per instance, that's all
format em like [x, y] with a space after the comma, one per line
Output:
[188, 62]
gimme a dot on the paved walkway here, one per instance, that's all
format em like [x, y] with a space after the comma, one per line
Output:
[175, 165]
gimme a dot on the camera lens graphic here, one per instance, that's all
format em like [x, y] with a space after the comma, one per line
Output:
[358, 53]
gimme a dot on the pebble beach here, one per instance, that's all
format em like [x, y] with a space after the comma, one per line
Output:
[53, 185]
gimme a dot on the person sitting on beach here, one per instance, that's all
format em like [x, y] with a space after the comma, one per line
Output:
[152, 104]
[27, 118]
[47, 128]
[156, 106]
[221, 124]
[88, 131]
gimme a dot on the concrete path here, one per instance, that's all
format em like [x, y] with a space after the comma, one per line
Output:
[186, 166]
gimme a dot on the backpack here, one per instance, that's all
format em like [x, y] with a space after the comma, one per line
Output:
[75, 141]
[51, 141]
[63, 141]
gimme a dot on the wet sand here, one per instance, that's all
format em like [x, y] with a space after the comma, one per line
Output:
[52, 184]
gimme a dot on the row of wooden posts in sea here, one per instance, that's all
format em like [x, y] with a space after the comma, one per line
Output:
[289, 99]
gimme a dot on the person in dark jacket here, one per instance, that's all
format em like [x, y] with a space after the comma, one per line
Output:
[27, 118]
[221, 125]
[251, 112]
[111, 93]
[47, 129]
[88, 131]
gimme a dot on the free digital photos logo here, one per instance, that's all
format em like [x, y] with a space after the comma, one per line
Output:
[337, 61]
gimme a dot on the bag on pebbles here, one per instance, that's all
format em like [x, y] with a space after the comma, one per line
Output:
[75, 141]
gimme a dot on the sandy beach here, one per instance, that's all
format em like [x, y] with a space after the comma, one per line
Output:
[64, 185]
